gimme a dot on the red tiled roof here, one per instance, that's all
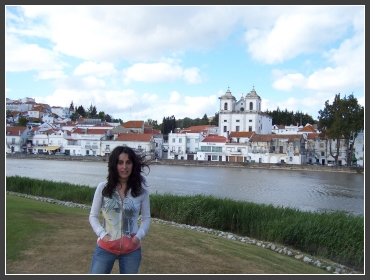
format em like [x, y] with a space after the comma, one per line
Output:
[215, 139]
[148, 130]
[308, 128]
[133, 137]
[197, 128]
[14, 130]
[241, 133]
[133, 124]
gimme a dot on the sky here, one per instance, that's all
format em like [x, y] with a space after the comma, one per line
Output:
[153, 62]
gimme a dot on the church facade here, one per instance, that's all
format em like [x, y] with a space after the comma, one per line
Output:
[244, 115]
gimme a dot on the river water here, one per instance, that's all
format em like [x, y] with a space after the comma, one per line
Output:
[303, 190]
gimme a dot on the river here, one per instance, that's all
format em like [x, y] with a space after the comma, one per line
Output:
[303, 190]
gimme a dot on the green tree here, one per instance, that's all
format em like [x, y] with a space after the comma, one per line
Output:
[287, 118]
[215, 119]
[22, 121]
[91, 111]
[81, 111]
[343, 119]
[205, 120]
[153, 123]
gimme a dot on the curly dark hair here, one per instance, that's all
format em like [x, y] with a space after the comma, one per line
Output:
[136, 181]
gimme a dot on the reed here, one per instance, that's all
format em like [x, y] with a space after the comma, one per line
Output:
[334, 235]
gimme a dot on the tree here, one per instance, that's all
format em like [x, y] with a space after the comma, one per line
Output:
[22, 121]
[91, 112]
[288, 118]
[343, 119]
[153, 123]
[215, 119]
[74, 116]
[81, 111]
[71, 106]
[205, 120]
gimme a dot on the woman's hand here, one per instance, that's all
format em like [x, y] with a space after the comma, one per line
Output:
[135, 240]
[106, 238]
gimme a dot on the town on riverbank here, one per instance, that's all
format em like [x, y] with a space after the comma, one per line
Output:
[251, 165]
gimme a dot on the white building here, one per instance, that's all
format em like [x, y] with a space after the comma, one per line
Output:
[359, 147]
[62, 112]
[211, 148]
[176, 146]
[242, 115]
[16, 138]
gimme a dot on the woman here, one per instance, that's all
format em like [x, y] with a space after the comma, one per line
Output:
[120, 200]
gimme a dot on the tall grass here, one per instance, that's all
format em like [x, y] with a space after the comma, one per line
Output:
[57, 190]
[334, 235]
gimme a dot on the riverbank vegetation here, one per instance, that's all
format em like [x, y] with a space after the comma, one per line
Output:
[334, 235]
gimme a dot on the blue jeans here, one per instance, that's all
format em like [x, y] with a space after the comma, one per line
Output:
[103, 261]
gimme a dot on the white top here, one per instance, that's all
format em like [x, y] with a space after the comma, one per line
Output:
[120, 217]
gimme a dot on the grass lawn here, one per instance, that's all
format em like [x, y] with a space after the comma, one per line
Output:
[44, 238]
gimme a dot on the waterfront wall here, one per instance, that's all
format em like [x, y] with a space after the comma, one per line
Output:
[256, 165]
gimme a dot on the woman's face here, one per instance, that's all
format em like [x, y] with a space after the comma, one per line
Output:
[124, 166]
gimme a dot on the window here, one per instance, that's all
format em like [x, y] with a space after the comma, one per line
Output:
[188, 140]
[217, 149]
[180, 140]
[225, 120]
[205, 148]
[322, 154]
[225, 128]
[173, 140]
[225, 106]
[250, 106]
[250, 120]
[13, 140]
[250, 128]
[237, 128]
[237, 120]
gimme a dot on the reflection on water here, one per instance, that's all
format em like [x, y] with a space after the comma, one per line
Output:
[307, 191]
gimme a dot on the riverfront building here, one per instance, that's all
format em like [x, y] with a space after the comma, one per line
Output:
[244, 134]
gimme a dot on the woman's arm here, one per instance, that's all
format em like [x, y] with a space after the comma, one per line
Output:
[145, 216]
[95, 212]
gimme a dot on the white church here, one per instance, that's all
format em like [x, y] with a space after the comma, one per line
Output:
[244, 115]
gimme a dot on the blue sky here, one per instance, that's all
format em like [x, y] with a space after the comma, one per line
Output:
[150, 62]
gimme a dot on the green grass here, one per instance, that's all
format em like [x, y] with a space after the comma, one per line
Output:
[21, 222]
[40, 245]
[334, 235]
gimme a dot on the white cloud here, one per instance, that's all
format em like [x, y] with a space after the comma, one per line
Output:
[45, 75]
[92, 82]
[191, 75]
[174, 97]
[97, 69]
[131, 32]
[160, 72]
[301, 32]
[26, 57]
